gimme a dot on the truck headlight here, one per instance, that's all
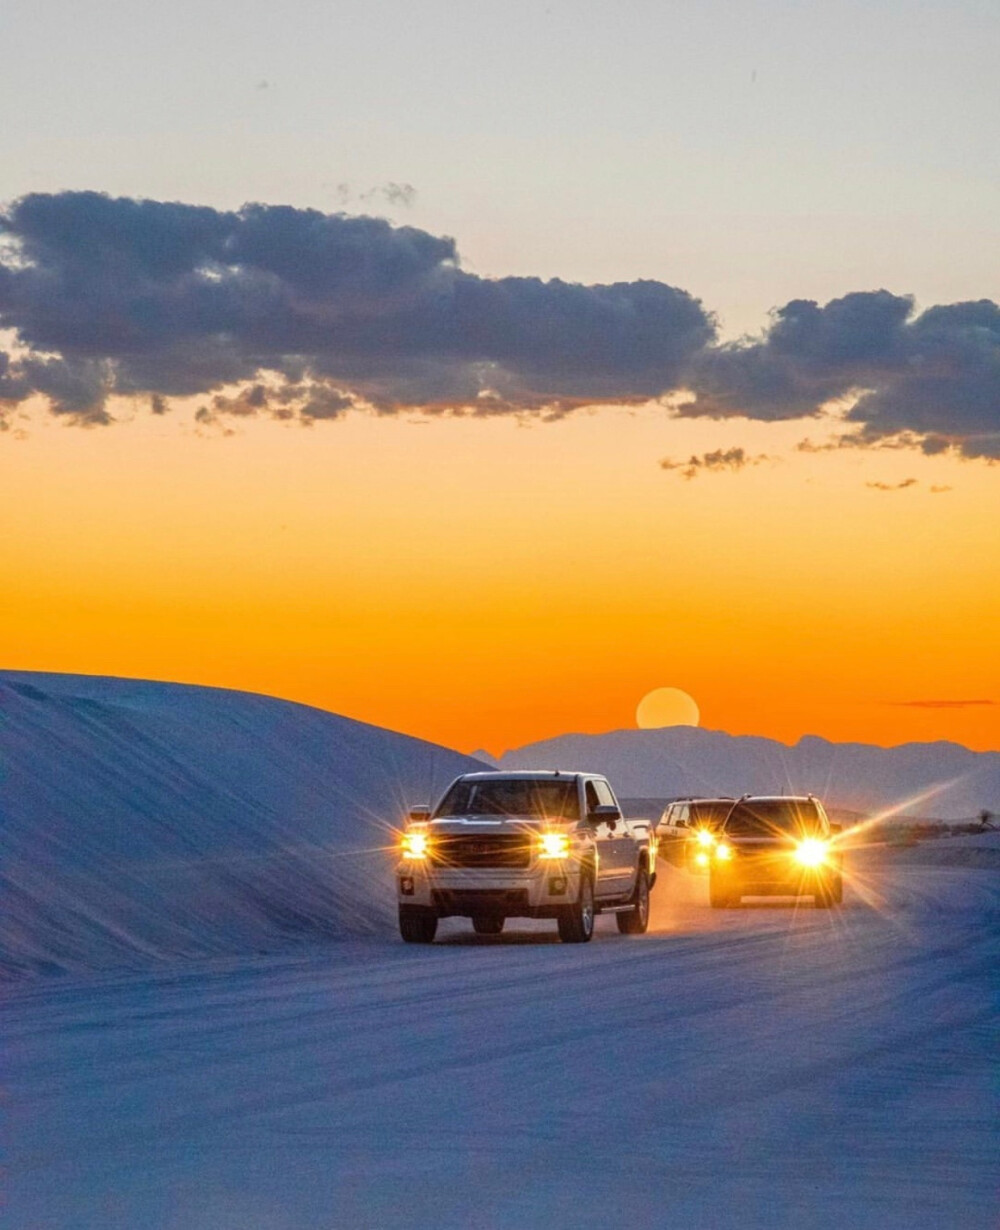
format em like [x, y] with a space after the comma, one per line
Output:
[554, 845]
[723, 852]
[811, 852]
[705, 837]
[414, 845]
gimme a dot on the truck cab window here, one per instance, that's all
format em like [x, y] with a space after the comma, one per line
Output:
[604, 796]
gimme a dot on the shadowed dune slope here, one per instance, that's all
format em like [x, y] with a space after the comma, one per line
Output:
[148, 822]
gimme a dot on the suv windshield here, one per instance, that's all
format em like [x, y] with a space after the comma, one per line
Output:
[542, 798]
[709, 815]
[767, 817]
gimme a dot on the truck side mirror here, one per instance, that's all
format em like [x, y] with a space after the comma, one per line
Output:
[421, 812]
[604, 814]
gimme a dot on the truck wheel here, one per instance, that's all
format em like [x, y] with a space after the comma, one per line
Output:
[721, 897]
[417, 925]
[636, 920]
[487, 924]
[576, 922]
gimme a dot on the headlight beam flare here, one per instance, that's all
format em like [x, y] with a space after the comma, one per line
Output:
[554, 845]
[849, 836]
[415, 845]
[811, 852]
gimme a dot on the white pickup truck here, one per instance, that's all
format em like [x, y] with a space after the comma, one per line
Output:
[525, 845]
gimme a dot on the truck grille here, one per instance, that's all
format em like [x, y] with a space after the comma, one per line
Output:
[509, 850]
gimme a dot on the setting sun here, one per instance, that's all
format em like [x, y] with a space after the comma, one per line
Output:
[666, 707]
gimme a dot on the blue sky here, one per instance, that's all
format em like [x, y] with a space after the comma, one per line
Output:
[749, 153]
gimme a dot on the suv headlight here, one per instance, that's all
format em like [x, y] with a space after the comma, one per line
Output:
[415, 845]
[811, 852]
[554, 845]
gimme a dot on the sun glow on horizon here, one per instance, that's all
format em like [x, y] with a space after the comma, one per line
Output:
[666, 707]
[448, 581]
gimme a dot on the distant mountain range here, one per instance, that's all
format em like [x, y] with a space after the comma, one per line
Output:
[943, 780]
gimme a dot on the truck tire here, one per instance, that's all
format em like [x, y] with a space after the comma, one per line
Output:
[721, 896]
[830, 892]
[417, 925]
[636, 920]
[487, 924]
[576, 921]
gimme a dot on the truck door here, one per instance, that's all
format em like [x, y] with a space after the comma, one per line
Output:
[604, 839]
[622, 843]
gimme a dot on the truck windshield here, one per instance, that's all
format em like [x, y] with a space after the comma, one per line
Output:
[767, 817]
[544, 799]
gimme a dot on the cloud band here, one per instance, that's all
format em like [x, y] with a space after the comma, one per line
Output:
[313, 313]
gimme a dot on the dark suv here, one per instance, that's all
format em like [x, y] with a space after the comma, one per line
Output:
[777, 846]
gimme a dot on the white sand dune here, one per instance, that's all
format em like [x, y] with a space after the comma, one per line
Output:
[239, 1041]
[147, 822]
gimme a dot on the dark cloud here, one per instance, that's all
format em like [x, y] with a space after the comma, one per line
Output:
[153, 298]
[907, 482]
[325, 403]
[732, 459]
[305, 401]
[391, 193]
[948, 389]
[808, 356]
[930, 381]
[156, 300]
[77, 388]
[14, 385]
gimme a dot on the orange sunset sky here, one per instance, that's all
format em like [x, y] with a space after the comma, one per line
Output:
[484, 583]
[342, 347]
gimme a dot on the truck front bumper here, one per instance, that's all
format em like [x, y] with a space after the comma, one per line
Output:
[537, 892]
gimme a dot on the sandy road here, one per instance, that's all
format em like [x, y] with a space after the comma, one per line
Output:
[759, 1067]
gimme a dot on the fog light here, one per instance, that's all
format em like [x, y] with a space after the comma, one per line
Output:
[406, 886]
[701, 858]
[557, 886]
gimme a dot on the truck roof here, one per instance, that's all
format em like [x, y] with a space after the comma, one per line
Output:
[526, 773]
